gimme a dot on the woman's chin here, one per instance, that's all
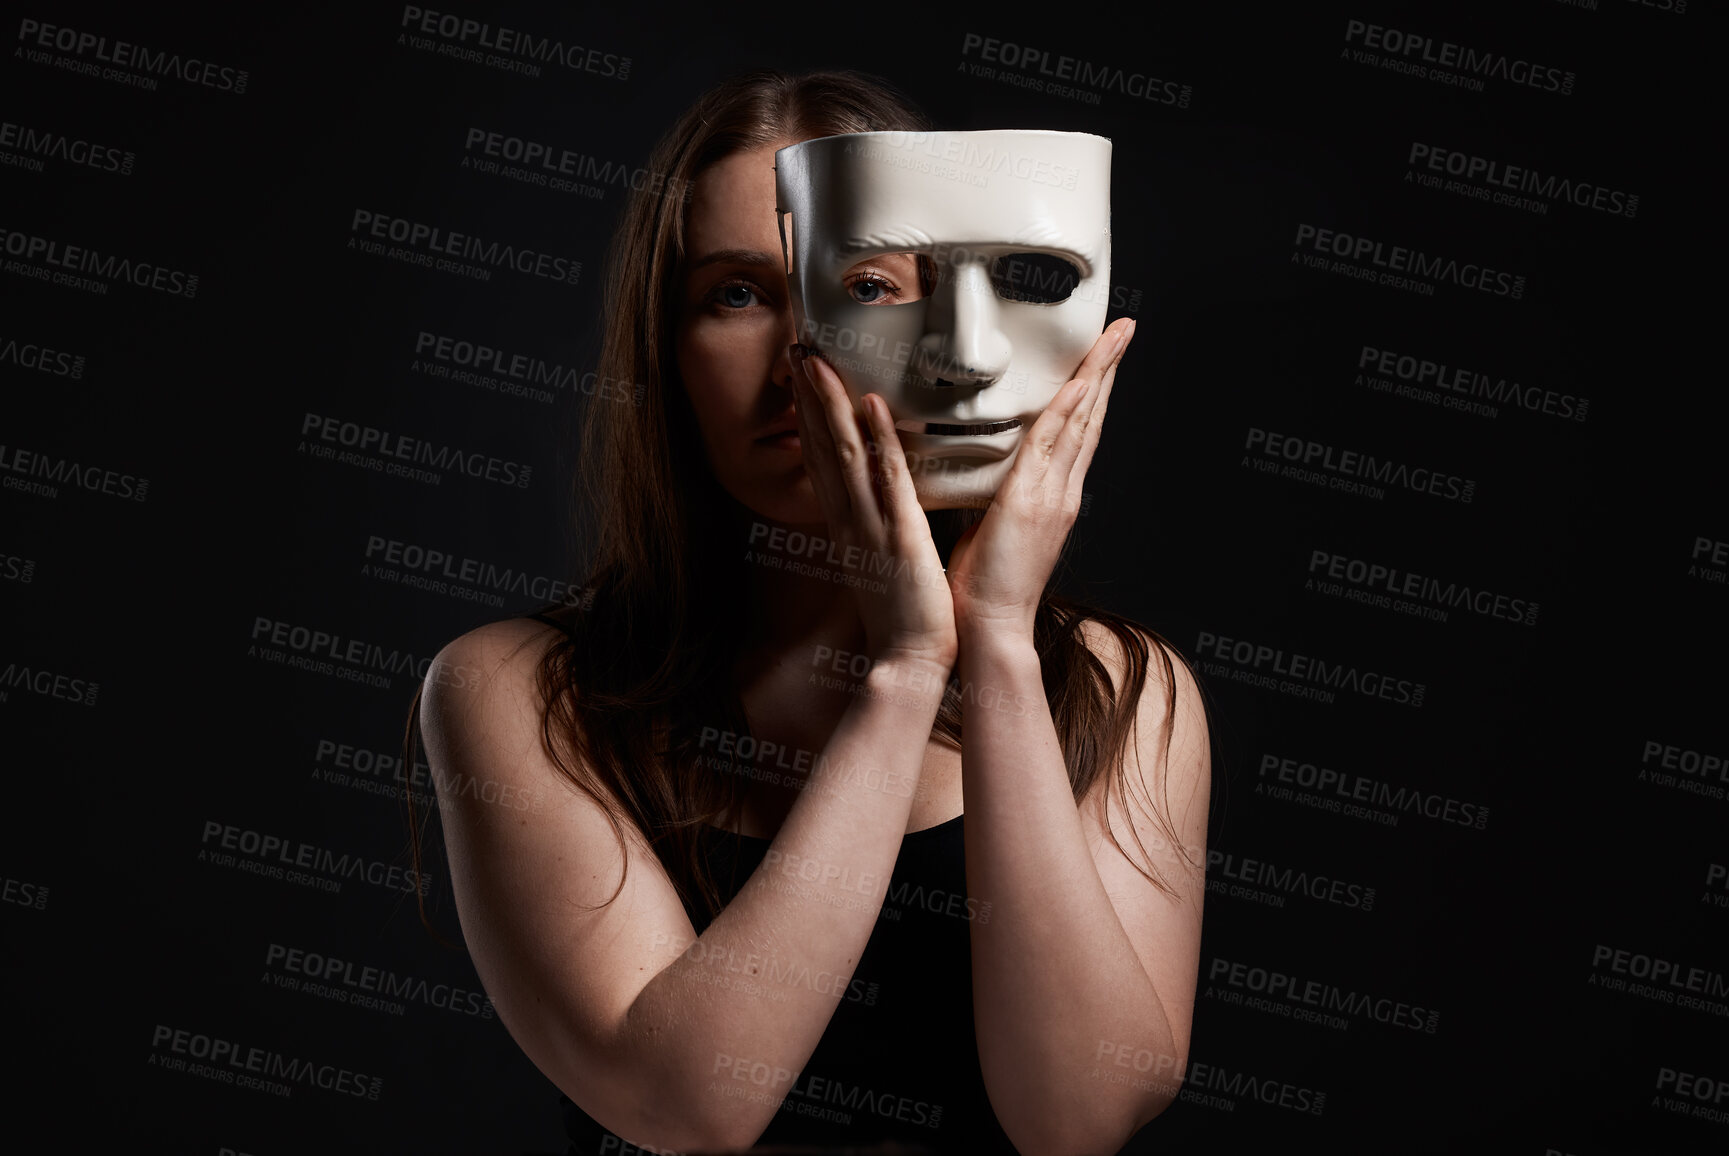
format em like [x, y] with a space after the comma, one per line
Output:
[959, 483]
[799, 509]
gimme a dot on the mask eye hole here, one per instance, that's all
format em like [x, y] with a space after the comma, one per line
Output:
[1041, 278]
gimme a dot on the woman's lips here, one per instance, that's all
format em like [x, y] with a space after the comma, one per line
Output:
[785, 440]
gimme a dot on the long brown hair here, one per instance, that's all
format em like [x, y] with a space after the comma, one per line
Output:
[651, 644]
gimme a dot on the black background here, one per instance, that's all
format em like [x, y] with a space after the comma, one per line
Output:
[113, 925]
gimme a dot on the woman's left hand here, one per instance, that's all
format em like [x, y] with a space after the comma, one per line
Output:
[998, 569]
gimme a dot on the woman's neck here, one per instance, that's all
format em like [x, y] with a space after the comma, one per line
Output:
[796, 586]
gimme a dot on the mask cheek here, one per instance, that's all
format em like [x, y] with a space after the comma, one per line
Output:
[870, 346]
[1050, 342]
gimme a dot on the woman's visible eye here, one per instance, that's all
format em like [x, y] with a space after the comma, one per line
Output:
[886, 279]
[873, 289]
[734, 295]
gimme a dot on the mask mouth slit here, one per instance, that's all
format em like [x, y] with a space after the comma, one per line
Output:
[947, 429]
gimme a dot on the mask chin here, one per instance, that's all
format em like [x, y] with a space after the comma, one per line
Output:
[950, 484]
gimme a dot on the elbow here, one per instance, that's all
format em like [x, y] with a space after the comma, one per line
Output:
[704, 1130]
[681, 1096]
[660, 1122]
[658, 1082]
[1151, 1109]
[1156, 1097]
[663, 1136]
[661, 1107]
[1067, 1138]
[1104, 1131]
[1103, 1138]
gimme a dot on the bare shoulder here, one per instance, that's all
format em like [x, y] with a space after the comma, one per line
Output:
[510, 647]
[1178, 773]
[481, 710]
[1156, 693]
[490, 670]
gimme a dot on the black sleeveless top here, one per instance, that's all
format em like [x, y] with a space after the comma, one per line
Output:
[898, 1061]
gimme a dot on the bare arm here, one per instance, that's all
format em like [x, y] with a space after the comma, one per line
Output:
[667, 1038]
[1083, 962]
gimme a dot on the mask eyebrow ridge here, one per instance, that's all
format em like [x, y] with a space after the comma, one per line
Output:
[910, 241]
[1035, 239]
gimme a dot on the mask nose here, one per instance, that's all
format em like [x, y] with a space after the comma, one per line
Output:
[963, 342]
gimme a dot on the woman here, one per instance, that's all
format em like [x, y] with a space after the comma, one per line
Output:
[763, 914]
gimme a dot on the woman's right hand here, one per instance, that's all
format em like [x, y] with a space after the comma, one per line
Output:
[867, 498]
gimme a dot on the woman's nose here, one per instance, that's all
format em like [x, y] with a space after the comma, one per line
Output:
[783, 366]
[963, 342]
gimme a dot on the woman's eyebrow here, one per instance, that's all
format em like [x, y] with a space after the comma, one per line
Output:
[734, 257]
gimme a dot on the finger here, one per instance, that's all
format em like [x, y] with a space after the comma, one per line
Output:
[1037, 457]
[1048, 428]
[1109, 383]
[818, 445]
[851, 455]
[1095, 427]
[1027, 474]
[1083, 463]
[1101, 361]
[1080, 430]
[900, 501]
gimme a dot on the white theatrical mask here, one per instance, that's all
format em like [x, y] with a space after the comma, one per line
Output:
[1011, 232]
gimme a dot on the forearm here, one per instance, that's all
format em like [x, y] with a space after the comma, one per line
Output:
[1054, 974]
[722, 1031]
